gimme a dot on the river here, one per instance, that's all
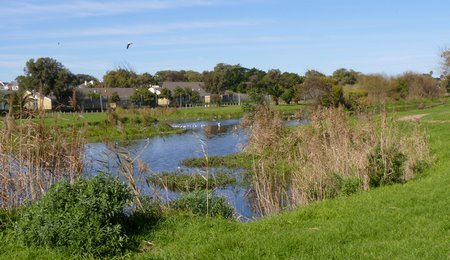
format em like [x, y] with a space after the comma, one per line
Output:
[165, 153]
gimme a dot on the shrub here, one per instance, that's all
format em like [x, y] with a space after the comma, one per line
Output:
[148, 119]
[350, 185]
[203, 203]
[84, 217]
[386, 166]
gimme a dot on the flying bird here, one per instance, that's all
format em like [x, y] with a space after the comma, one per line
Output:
[129, 44]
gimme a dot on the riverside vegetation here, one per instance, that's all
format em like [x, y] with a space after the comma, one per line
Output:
[332, 157]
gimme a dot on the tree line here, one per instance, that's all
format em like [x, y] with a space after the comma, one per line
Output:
[345, 86]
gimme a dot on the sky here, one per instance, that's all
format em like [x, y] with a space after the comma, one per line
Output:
[90, 36]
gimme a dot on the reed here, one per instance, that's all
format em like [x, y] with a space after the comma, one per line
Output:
[331, 156]
[33, 157]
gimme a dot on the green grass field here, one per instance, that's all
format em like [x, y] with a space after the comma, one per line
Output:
[402, 221]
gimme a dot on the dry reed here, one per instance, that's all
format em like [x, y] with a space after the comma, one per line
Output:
[33, 157]
[315, 161]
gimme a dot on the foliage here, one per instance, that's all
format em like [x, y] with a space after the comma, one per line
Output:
[386, 167]
[350, 185]
[288, 95]
[203, 203]
[49, 76]
[445, 63]
[84, 218]
[114, 97]
[120, 78]
[142, 96]
[314, 162]
[345, 77]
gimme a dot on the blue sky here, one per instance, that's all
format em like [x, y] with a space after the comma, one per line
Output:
[368, 36]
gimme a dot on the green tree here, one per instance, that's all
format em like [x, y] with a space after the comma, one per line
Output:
[170, 75]
[193, 76]
[48, 76]
[345, 77]
[142, 96]
[145, 80]
[288, 95]
[120, 78]
[82, 78]
[166, 93]
[115, 97]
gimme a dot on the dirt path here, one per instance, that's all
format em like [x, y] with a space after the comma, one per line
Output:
[413, 118]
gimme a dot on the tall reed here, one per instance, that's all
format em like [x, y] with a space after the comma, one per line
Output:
[333, 155]
[34, 156]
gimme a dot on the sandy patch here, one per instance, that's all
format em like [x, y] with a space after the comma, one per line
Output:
[413, 118]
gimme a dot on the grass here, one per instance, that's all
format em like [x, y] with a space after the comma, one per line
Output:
[236, 160]
[189, 182]
[402, 221]
[133, 128]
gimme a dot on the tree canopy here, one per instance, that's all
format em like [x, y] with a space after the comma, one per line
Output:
[48, 76]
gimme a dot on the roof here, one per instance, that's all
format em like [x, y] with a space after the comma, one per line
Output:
[197, 86]
[124, 93]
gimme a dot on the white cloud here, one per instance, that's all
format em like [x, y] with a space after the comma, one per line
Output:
[141, 29]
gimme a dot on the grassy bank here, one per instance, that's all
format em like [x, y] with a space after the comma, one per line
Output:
[406, 221]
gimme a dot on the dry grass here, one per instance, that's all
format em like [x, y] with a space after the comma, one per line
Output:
[326, 158]
[33, 157]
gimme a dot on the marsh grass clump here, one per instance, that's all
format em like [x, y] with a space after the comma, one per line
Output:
[335, 154]
[190, 182]
[203, 203]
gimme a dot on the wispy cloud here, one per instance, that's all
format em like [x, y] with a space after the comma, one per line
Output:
[142, 29]
[99, 8]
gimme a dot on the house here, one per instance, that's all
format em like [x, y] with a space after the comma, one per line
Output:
[13, 85]
[194, 86]
[97, 98]
[33, 102]
[38, 101]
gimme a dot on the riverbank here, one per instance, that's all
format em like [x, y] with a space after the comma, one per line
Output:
[398, 221]
[129, 124]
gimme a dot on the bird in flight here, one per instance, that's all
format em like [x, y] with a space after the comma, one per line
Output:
[129, 44]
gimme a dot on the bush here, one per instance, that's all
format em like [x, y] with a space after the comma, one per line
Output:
[203, 203]
[350, 185]
[386, 166]
[84, 217]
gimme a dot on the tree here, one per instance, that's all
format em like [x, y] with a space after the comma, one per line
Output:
[345, 77]
[145, 80]
[120, 78]
[178, 95]
[48, 76]
[193, 76]
[275, 91]
[166, 93]
[445, 55]
[288, 95]
[142, 96]
[224, 77]
[84, 78]
[115, 97]
[170, 75]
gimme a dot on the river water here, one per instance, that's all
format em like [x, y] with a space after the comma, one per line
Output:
[164, 154]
